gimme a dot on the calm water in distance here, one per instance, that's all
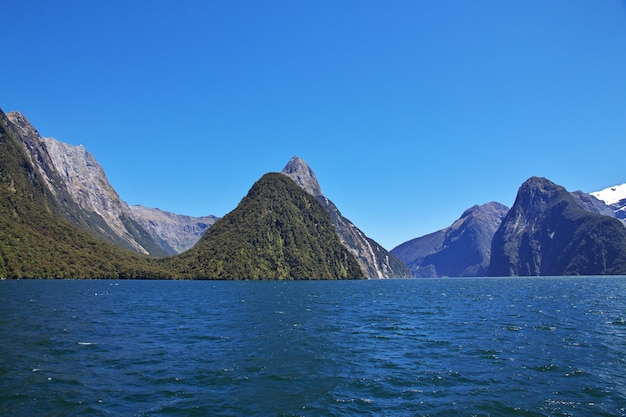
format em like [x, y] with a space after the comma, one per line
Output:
[432, 347]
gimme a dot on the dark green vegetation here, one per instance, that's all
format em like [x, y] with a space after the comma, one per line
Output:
[278, 231]
[85, 218]
[373, 259]
[546, 232]
[36, 241]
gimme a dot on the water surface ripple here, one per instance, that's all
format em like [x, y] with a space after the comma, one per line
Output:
[433, 347]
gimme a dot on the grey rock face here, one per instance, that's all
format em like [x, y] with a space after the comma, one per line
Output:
[37, 152]
[175, 233]
[303, 175]
[80, 186]
[461, 250]
[373, 259]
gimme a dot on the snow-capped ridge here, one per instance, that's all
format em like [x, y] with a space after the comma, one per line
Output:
[611, 195]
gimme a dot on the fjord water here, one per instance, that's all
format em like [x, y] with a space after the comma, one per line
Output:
[433, 347]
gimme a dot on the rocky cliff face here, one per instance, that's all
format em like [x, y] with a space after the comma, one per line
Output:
[36, 241]
[80, 187]
[303, 175]
[87, 184]
[175, 233]
[461, 250]
[374, 260]
[79, 184]
[547, 232]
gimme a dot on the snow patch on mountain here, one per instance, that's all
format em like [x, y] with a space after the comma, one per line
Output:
[611, 195]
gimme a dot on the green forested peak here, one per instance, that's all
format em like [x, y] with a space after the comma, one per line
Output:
[278, 231]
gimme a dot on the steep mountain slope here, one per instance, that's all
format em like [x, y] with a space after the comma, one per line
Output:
[615, 198]
[591, 203]
[80, 184]
[36, 241]
[277, 231]
[546, 232]
[461, 250]
[374, 260]
[173, 232]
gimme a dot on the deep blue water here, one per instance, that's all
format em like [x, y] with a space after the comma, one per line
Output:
[434, 347]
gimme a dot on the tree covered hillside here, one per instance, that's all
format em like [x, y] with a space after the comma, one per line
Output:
[37, 242]
[278, 231]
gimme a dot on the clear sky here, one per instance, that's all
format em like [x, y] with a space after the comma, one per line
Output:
[409, 112]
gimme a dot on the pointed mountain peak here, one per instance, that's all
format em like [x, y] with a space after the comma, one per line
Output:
[278, 231]
[299, 171]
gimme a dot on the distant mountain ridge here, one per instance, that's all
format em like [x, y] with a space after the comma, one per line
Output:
[80, 184]
[175, 233]
[580, 236]
[60, 218]
[461, 250]
[376, 261]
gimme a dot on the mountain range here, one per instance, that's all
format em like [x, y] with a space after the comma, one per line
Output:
[60, 217]
[80, 185]
[548, 231]
[460, 250]
[36, 238]
[80, 191]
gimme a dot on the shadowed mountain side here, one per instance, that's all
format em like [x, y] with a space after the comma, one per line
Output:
[278, 231]
[547, 232]
[461, 250]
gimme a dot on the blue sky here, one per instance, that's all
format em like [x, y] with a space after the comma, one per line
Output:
[409, 112]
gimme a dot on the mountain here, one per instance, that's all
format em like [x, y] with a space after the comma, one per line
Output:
[80, 185]
[278, 231]
[461, 250]
[173, 232]
[374, 260]
[591, 203]
[37, 241]
[615, 198]
[547, 232]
